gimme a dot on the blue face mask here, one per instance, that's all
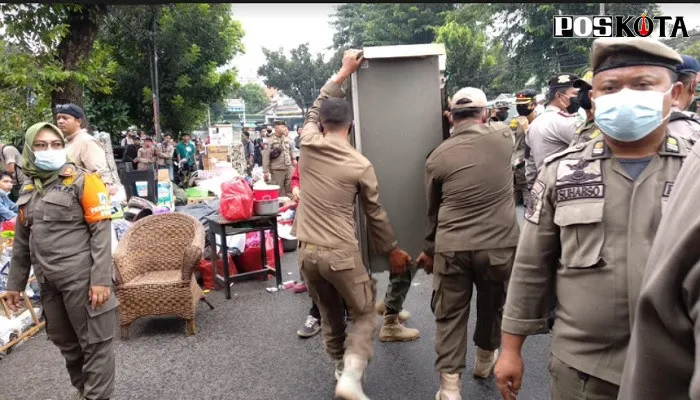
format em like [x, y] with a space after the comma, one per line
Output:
[630, 115]
[50, 160]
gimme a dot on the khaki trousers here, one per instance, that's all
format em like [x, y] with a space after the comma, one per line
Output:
[83, 335]
[567, 383]
[332, 276]
[283, 179]
[455, 273]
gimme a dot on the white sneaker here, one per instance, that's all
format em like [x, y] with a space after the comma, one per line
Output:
[349, 386]
[450, 386]
[484, 363]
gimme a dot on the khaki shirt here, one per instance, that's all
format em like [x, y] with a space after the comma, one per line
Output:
[587, 215]
[87, 152]
[334, 173]
[549, 133]
[685, 128]
[281, 163]
[661, 360]
[587, 131]
[63, 231]
[145, 157]
[519, 126]
[164, 153]
[469, 190]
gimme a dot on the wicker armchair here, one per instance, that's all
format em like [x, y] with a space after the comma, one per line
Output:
[154, 265]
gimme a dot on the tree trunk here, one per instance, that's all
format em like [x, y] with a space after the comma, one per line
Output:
[74, 49]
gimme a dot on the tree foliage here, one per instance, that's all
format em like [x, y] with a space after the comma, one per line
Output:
[300, 76]
[379, 24]
[528, 42]
[254, 97]
[194, 42]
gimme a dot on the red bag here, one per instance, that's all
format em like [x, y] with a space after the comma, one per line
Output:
[205, 268]
[236, 201]
[8, 226]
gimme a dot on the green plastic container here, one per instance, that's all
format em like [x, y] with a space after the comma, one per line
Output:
[195, 192]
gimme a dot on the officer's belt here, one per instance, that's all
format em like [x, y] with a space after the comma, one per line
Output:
[311, 246]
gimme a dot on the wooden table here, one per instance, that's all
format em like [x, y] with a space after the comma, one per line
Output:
[223, 227]
[38, 325]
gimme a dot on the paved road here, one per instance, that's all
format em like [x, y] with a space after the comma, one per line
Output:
[246, 348]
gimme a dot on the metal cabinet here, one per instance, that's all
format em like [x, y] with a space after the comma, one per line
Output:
[397, 98]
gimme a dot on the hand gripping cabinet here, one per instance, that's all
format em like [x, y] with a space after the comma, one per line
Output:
[398, 98]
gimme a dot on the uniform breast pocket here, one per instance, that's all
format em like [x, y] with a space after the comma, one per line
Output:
[581, 234]
[57, 206]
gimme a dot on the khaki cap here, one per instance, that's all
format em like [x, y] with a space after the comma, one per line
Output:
[655, 52]
[476, 98]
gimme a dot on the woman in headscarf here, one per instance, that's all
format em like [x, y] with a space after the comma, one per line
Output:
[63, 231]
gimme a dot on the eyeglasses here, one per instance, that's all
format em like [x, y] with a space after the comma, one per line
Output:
[41, 146]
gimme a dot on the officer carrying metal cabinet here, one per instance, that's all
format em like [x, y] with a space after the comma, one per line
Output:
[63, 231]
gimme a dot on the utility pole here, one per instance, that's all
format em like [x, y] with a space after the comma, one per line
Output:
[156, 92]
[602, 9]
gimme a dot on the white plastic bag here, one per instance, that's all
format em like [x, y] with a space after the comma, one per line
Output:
[232, 241]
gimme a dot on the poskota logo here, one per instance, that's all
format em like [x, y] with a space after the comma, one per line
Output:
[596, 26]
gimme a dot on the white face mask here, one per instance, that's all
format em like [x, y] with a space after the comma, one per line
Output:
[630, 115]
[50, 160]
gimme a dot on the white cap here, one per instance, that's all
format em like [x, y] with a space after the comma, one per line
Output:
[476, 98]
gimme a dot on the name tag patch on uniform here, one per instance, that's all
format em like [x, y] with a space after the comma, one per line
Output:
[534, 207]
[598, 148]
[63, 188]
[667, 189]
[581, 192]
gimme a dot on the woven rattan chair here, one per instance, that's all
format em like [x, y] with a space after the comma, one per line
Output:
[154, 266]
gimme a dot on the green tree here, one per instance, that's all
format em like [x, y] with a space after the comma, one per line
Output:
[61, 36]
[254, 97]
[526, 32]
[689, 45]
[194, 42]
[300, 76]
[379, 24]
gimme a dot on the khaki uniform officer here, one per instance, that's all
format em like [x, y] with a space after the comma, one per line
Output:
[472, 233]
[662, 357]
[525, 106]
[588, 129]
[334, 174]
[278, 160]
[594, 213]
[552, 131]
[63, 230]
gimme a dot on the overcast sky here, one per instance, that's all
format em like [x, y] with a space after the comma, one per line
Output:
[289, 25]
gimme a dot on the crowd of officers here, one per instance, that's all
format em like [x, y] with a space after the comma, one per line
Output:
[598, 191]
[607, 258]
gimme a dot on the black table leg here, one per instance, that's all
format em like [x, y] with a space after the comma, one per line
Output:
[212, 246]
[224, 258]
[278, 264]
[263, 251]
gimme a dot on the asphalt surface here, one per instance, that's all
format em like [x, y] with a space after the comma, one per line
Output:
[247, 348]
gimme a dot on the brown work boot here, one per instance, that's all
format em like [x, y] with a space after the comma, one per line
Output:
[485, 361]
[449, 387]
[380, 308]
[349, 386]
[393, 331]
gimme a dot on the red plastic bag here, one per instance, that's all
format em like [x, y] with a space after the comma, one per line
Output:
[8, 226]
[205, 268]
[236, 201]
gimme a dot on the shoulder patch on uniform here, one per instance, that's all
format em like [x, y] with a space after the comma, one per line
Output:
[67, 170]
[534, 206]
[26, 188]
[595, 134]
[569, 150]
[578, 171]
[672, 145]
